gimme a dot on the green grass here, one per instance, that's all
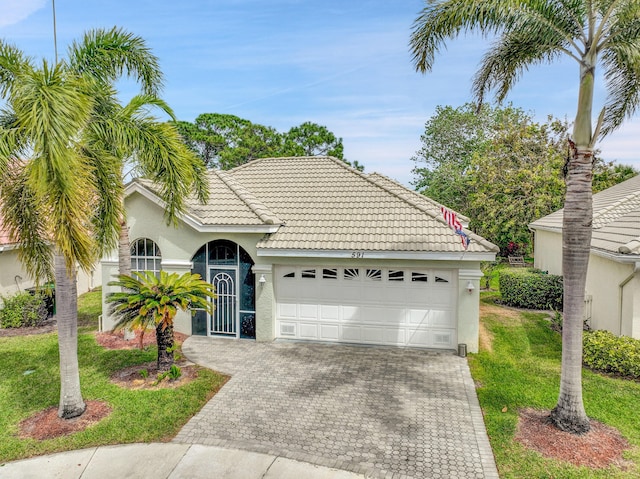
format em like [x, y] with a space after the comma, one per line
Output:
[523, 371]
[137, 416]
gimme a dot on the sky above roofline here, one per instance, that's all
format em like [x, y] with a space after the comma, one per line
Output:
[344, 64]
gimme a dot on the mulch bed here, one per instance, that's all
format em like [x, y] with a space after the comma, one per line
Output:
[601, 447]
[47, 425]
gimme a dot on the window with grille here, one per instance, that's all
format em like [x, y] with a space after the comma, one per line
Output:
[146, 256]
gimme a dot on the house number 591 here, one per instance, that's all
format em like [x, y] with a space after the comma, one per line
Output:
[357, 254]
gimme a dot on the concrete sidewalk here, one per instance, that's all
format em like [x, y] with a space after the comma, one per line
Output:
[166, 461]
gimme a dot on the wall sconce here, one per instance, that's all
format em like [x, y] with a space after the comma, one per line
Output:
[262, 279]
[470, 287]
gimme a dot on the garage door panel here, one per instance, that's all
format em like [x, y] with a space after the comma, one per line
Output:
[308, 331]
[329, 332]
[287, 310]
[308, 311]
[418, 338]
[376, 315]
[419, 316]
[442, 339]
[441, 319]
[329, 312]
[373, 335]
[394, 336]
[350, 313]
[351, 333]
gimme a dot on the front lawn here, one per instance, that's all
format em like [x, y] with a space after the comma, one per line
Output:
[518, 367]
[30, 382]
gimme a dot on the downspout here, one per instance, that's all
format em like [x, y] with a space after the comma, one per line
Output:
[636, 268]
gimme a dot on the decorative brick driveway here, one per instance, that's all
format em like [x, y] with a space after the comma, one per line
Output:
[384, 412]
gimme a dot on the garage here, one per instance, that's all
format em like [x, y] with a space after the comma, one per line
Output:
[367, 304]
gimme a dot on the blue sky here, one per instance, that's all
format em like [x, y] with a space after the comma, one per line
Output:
[344, 64]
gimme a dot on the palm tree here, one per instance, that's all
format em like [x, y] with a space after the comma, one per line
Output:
[593, 33]
[67, 121]
[150, 300]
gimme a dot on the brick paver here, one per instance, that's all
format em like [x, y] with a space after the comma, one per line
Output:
[384, 412]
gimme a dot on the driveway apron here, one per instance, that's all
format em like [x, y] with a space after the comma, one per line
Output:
[380, 411]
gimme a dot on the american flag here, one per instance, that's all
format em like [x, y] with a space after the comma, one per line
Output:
[454, 223]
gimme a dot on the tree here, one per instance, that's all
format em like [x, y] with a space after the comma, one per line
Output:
[150, 300]
[500, 168]
[66, 120]
[226, 141]
[593, 33]
[452, 137]
[516, 179]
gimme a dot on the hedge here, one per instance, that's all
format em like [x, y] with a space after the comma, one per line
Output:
[22, 309]
[531, 289]
[606, 352]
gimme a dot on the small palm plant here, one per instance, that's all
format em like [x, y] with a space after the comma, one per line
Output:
[148, 300]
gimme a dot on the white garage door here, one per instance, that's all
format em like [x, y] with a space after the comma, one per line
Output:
[406, 307]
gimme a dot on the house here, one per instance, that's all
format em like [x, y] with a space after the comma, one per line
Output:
[613, 283]
[14, 278]
[312, 249]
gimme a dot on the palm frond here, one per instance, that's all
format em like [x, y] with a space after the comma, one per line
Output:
[109, 54]
[25, 219]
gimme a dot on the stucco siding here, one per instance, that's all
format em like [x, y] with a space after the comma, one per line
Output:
[603, 280]
[13, 278]
[548, 251]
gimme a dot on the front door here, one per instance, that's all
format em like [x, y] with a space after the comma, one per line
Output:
[224, 320]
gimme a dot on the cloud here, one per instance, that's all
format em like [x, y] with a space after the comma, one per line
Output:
[14, 11]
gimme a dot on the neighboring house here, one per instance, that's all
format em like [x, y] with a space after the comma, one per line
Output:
[13, 277]
[311, 249]
[612, 296]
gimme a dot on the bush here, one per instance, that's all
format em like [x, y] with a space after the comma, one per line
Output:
[531, 289]
[606, 352]
[22, 310]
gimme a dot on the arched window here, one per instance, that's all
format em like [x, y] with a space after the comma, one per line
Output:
[145, 256]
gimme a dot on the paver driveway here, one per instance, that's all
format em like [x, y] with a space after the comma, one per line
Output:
[385, 412]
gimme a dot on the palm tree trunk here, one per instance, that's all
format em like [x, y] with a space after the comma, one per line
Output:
[164, 339]
[71, 402]
[569, 414]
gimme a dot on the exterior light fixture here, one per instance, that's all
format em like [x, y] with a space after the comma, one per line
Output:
[470, 287]
[262, 279]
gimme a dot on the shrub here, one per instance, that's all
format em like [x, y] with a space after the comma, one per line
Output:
[531, 289]
[606, 352]
[22, 310]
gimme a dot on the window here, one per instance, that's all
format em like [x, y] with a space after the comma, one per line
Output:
[374, 275]
[419, 277]
[290, 275]
[330, 273]
[145, 256]
[351, 273]
[441, 280]
[308, 273]
[396, 275]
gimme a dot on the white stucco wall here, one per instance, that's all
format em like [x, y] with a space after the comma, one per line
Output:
[13, 277]
[615, 306]
[548, 251]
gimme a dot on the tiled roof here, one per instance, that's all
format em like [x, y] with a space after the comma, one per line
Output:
[230, 204]
[326, 205]
[616, 218]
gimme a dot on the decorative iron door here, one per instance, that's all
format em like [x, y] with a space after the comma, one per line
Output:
[225, 316]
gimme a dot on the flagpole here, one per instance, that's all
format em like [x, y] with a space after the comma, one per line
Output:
[55, 37]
